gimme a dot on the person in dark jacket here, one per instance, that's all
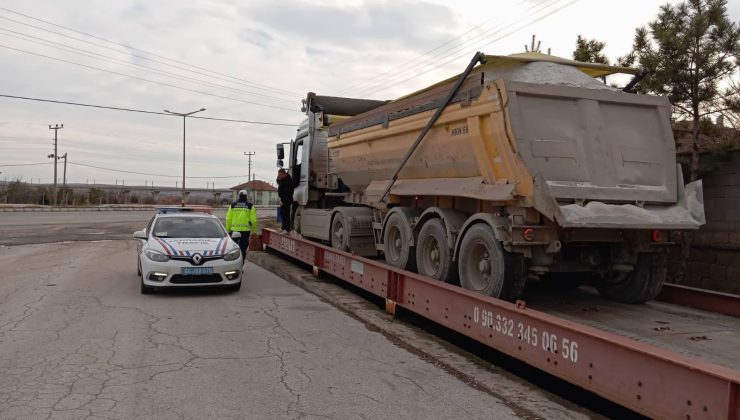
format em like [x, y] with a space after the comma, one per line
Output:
[285, 192]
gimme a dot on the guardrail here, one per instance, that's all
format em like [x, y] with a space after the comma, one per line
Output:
[263, 212]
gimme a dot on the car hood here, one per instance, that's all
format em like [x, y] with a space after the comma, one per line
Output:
[190, 246]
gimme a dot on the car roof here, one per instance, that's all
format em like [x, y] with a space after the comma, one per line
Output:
[187, 214]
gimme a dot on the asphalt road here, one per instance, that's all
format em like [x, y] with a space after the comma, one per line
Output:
[78, 340]
[17, 228]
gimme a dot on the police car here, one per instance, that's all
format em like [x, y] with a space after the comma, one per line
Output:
[187, 246]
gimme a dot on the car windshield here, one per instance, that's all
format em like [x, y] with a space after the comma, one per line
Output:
[188, 227]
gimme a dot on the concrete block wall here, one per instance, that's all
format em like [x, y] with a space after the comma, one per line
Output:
[715, 252]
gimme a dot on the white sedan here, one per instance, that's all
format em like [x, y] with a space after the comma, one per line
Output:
[186, 247]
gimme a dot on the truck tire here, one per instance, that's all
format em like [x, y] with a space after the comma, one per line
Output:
[433, 256]
[339, 237]
[485, 267]
[396, 240]
[638, 286]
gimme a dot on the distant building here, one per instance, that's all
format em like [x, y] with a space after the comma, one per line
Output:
[260, 192]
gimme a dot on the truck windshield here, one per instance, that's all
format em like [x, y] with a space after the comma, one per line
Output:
[188, 227]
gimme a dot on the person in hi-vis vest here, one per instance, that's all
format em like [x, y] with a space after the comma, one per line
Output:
[242, 217]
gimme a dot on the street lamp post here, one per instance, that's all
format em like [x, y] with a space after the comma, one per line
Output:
[184, 116]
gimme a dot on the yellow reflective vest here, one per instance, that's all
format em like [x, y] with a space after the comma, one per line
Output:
[241, 217]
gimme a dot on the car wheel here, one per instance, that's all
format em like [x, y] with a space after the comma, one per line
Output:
[146, 290]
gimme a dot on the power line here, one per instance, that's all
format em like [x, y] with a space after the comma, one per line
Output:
[124, 171]
[537, 19]
[26, 164]
[404, 64]
[130, 48]
[98, 56]
[146, 80]
[441, 55]
[141, 111]
[157, 175]
[428, 64]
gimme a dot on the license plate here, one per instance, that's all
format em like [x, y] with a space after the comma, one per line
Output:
[196, 271]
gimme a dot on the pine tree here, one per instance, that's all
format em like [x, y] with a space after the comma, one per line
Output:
[691, 51]
[589, 51]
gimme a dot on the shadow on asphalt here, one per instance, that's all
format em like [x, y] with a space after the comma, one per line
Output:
[192, 292]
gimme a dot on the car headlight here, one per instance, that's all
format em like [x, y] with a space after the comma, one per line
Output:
[156, 256]
[232, 255]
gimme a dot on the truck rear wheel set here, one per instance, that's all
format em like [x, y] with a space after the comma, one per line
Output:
[484, 266]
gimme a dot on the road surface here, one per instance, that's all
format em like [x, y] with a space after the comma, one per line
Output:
[80, 341]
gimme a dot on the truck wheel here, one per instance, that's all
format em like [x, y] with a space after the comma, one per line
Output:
[433, 256]
[396, 239]
[485, 267]
[339, 237]
[638, 286]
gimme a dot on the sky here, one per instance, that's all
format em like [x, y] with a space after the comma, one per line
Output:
[246, 60]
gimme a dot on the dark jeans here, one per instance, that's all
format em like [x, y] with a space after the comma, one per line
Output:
[285, 215]
[243, 243]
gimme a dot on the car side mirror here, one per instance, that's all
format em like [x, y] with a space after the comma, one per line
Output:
[236, 235]
[140, 234]
[280, 151]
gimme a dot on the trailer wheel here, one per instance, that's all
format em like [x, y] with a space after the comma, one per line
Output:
[485, 267]
[339, 237]
[433, 256]
[396, 239]
[638, 286]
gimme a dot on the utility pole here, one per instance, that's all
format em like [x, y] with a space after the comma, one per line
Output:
[56, 129]
[64, 182]
[249, 171]
[184, 117]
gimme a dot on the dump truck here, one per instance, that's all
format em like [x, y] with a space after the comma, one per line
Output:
[523, 167]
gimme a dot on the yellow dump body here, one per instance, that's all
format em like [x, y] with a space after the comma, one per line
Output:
[468, 152]
[539, 134]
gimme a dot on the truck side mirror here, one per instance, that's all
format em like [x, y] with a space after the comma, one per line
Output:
[280, 151]
[279, 163]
